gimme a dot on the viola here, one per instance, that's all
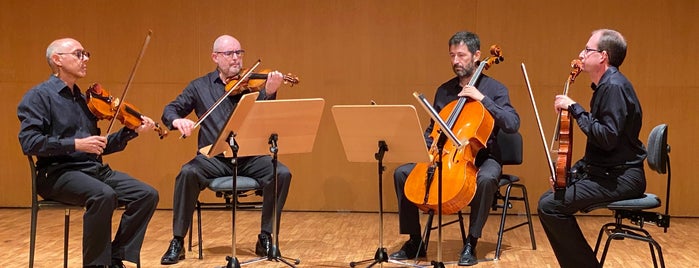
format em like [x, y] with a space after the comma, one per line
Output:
[256, 81]
[564, 135]
[472, 124]
[105, 106]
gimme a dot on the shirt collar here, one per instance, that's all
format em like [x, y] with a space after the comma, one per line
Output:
[58, 85]
[605, 77]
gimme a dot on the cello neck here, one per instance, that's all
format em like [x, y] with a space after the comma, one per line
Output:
[462, 100]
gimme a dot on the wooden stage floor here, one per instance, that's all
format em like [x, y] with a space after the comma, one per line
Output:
[331, 239]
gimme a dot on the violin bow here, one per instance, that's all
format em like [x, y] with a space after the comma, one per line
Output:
[128, 83]
[206, 114]
[552, 169]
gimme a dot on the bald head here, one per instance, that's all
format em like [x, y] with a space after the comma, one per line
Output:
[224, 43]
[59, 45]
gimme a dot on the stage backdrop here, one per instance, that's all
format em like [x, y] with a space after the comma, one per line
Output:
[352, 52]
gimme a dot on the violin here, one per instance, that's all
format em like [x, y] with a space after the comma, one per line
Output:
[564, 135]
[472, 124]
[256, 81]
[104, 106]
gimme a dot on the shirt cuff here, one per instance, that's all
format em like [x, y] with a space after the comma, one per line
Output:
[576, 110]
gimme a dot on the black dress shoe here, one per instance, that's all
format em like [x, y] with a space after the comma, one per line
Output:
[264, 243]
[409, 250]
[468, 255]
[174, 253]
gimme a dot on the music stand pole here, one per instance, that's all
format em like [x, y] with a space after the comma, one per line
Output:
[381, 255]
[233, 260]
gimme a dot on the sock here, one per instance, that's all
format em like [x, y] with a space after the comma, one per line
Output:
[179, 238]
[416, 238]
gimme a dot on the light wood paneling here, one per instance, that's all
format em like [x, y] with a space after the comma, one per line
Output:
[350, 52]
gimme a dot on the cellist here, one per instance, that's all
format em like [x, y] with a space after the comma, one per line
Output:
[464, 51]
[612, 167]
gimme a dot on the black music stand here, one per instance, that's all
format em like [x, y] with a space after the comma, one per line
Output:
[397, 126]
[445, 134]
[296, 122]
[226, 144]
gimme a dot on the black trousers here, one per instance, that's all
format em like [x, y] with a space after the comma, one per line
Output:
[486, 186]
[198, 173]
[557, 216]
[101, 190]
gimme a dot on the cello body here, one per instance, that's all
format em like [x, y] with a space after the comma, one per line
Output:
[473, 128]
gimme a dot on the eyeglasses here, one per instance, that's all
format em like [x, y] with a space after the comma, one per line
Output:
[587, 49]
[230, 53]
[80, 54]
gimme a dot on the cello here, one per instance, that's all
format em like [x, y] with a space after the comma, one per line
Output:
[472, 124]
[563, 134]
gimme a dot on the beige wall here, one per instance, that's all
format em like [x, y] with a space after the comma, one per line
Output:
[351, 52]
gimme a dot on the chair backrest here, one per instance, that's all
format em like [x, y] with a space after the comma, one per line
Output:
[510, 147]
[658, 149]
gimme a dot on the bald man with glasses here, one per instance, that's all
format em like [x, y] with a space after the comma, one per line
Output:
[57, 127]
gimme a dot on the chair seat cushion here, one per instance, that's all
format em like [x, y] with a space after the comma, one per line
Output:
[223, 184]
[647, 201]
[506, 179]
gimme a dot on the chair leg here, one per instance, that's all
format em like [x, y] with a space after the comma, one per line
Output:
[32, 235]
[503, 217]
[461, 224]
[66, 236]
[529, 214]
[201, 256]
[428, 229]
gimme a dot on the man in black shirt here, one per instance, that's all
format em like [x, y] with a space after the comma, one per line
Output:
[612, 167]
[464, 50]
[195, 175]
[58, 127]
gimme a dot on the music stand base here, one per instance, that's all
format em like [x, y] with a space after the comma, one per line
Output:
[274, 256]
[232, 262]
[379, 257]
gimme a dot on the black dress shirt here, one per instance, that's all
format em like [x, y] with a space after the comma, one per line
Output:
[52, 116]
[613, 124]
[201, 94]
[496, 101]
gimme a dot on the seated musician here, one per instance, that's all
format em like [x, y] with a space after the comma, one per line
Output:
[58, 127]
[612, 167]
[464, 50]
[199, 96]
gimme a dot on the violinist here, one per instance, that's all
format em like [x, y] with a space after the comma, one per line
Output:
[59, 129]
[195, 175]
[464, 51]
[612, 166]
